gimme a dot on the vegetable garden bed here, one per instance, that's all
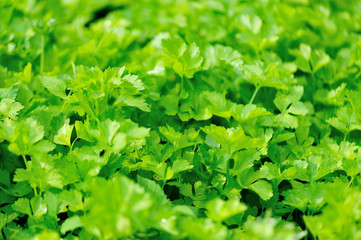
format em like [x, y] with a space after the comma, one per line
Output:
[180, 119]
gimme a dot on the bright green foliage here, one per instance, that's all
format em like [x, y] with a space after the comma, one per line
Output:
[160, 119]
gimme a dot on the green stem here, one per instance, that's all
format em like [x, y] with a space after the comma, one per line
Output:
[254, 94]
[349, 184]
[290, 215]
[42, 53]
[345, 136]
[307, 213]
[313, 84]
[72, 144]
[25, 161]
[164, 182]
[74, 69]
[181, 87]
[227, 172]
[27, 167]
[65, 102]
[190, 84]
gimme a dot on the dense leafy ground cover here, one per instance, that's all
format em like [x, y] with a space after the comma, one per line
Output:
[180, 119]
